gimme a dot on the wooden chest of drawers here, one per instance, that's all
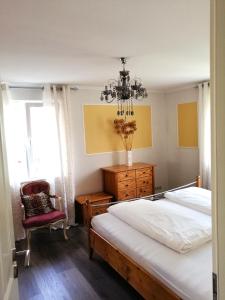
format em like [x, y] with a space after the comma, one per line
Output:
[129, 182]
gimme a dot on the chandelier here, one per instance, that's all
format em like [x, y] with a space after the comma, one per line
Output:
[124, 91]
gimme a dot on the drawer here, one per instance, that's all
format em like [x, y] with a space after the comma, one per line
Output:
[96, 210]
[99, 210]
[127, 184]
[126, 194]
[144, 191]
[143, 172]
[100, 201]
[145, 181]
[126, 175]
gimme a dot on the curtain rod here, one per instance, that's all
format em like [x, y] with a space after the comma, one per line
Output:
[72, 88]
[36, 87]
[202, 84]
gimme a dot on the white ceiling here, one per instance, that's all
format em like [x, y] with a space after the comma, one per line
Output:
[80, 41]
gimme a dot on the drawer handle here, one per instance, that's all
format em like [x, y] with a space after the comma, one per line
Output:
[127, 195]
[126, 185]
[144, 181]
[126, 175]
[143, 172]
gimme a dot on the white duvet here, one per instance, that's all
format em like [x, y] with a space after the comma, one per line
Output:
[169, 226]
[193, 197]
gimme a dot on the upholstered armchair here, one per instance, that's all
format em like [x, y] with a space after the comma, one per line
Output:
[39, 211]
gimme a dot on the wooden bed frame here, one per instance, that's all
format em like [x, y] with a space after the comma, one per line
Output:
[149, 287]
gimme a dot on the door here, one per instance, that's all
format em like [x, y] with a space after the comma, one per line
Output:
[218, 143]
[8, 284]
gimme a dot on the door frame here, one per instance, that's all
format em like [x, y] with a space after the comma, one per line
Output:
[217, 62]
[8, 282]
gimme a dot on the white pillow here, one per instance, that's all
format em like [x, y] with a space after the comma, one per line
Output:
[193, 197]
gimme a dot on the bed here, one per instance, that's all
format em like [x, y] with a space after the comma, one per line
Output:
[153, 269]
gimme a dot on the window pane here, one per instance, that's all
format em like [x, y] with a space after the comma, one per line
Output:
[16, 139]
[44, 145]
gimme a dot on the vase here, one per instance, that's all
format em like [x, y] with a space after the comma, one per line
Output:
[129, 160]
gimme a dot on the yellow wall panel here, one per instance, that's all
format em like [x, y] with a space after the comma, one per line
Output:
[187, 124]
[100, 135]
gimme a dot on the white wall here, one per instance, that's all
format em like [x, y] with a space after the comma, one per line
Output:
[175, 166]
[183, 163]
[87, 167]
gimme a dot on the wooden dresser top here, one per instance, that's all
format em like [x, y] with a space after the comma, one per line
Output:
[81, 199]
[121, 168]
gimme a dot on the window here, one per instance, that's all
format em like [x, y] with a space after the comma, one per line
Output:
[34, 141]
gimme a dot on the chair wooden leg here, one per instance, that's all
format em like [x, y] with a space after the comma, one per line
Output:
[64, 230]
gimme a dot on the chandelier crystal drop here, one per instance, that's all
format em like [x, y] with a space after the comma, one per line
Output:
[124, 90]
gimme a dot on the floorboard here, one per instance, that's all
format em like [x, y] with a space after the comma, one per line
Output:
[61, 270]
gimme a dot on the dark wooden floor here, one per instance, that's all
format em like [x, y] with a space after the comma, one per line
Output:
[61, 270]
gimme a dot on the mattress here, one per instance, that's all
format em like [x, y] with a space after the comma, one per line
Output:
[188, 275]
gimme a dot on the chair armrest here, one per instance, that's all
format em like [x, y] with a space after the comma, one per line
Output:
[58, 200]
[23, 211]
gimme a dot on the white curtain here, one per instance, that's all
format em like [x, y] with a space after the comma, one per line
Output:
[16, 155]
[204, 134]
[58, 113]
[51, 157]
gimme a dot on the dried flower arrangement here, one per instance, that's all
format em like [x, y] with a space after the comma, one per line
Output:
[126, 131]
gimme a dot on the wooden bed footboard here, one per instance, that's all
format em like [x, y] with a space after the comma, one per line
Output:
[146, 284]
